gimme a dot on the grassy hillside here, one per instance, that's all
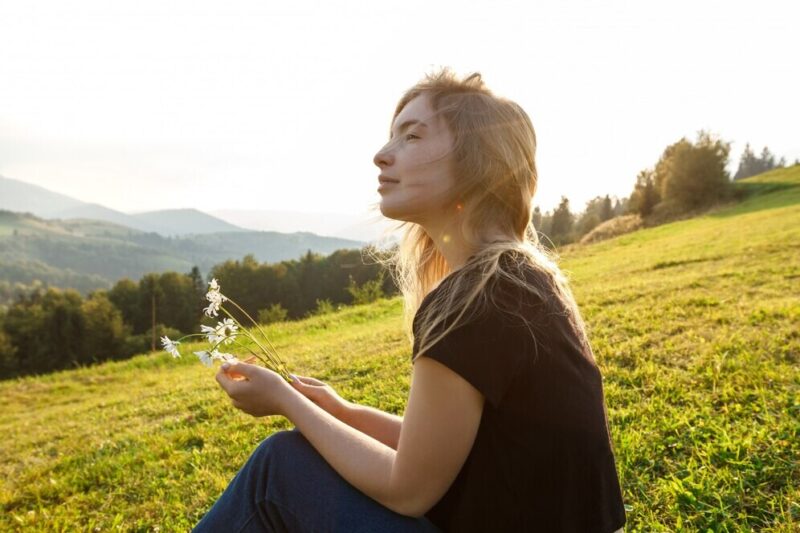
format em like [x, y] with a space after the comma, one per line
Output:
[695, 326]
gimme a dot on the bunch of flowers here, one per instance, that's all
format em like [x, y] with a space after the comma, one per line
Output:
[227, 332]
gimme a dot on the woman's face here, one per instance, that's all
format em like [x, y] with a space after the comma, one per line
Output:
[419, 161]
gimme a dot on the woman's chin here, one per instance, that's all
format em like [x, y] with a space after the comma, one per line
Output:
[388, 211]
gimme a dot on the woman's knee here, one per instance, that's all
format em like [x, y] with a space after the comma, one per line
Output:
[282, 443]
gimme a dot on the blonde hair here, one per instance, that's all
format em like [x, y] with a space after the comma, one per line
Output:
[494, 153]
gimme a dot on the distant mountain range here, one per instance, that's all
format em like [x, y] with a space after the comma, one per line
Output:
[24, 197]
[366, 227]
[68, 243]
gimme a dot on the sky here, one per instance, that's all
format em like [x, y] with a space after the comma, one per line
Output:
[282, 105]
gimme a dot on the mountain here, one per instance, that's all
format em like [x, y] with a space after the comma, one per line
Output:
[24, 197]
[184, 222]
[20, 196]
[99, 212]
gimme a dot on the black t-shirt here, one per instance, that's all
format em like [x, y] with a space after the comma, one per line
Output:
[542, 458]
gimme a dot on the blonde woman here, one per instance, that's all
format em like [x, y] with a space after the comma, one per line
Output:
[505, 427]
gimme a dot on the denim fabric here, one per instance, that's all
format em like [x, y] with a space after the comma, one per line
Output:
[287, 486]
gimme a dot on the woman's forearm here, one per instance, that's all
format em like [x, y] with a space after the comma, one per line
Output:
[381, 426]
[360, 459]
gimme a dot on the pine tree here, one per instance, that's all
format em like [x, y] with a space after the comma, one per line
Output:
[606, 210]
[562, 223]
[751, 165]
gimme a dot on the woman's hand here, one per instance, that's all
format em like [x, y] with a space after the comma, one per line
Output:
[253, 389]
[321, 394]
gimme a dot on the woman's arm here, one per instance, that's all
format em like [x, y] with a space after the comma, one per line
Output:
[384, 427]
[381, 426]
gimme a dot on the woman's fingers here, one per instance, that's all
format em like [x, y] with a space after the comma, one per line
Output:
[310, 381]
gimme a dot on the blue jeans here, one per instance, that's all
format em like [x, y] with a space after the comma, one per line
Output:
[287, 486]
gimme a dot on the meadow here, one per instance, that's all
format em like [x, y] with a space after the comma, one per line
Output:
[695, 325]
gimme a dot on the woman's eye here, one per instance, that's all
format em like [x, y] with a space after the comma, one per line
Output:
[409, 136]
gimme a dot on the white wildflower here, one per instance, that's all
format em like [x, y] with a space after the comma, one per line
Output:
[226, 330]
[205, 357]
[214, 297]
[226, 357]
[170, 346]
[208, 358]
[210, 333]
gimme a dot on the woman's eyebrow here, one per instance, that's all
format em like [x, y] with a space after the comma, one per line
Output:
[408, 123]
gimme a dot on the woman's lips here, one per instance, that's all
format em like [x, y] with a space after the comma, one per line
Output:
[386, 182]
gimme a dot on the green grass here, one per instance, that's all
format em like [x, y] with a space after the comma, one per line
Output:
[695, 324]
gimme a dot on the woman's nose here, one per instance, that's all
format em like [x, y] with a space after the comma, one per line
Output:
[383, 158]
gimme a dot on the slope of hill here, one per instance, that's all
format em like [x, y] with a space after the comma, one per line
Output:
[25, 197]
[694, 325]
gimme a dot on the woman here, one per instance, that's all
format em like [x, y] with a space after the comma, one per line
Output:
[505, 427]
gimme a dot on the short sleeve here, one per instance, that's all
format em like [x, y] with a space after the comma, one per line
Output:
[486, 351]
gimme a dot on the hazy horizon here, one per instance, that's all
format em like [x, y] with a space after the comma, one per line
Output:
[264, 107]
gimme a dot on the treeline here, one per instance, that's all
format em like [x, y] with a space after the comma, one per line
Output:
[51, 329]
[688, 177]
[562, 226]
[751, 165]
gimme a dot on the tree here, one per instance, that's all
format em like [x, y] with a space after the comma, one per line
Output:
[606, 209]
[693, 174]
[645, 195]
[200, 287]
[767, 158]
[587, 222]
[322, 307]
[562, 222]
[105, 332]
[125, 297]
[47, 330]
[545, 228]
[275, 313]
[181, 304]
[367, 292]
[536, 218]
[8, 355]
[598, 210]
[751, 165]
[620, 206]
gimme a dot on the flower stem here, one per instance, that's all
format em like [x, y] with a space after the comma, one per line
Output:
[257, 326]
[279, 364]
[191, 335]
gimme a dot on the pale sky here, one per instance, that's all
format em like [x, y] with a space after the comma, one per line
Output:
[142, 105]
